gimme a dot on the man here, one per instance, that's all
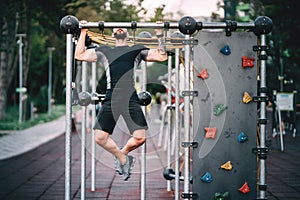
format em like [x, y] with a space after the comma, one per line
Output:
[121, 97]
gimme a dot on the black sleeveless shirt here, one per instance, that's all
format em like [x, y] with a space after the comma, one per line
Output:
[119, 63]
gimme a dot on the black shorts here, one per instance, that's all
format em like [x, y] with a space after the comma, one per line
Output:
[111, 111]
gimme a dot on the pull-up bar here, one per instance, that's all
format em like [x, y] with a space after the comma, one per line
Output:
[70, 25]
[186, 25]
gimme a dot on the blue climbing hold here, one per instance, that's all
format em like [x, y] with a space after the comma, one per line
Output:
[242, 137]
[226, 50]
[206, 178]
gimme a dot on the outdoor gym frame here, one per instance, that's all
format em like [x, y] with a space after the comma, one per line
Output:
[187, 26]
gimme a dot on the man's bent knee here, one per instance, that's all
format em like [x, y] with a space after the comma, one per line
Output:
[101, 137]
[139, 140]
[139, 136]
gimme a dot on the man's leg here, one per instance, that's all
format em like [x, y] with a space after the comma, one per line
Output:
[102, 138]
[138, 138]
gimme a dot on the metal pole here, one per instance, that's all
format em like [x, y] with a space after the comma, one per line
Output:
[262, 180]
[83, 134]
[187, 116]
[68, 134]
[143, 147]
[169, 107]
[50, 49]
[20, 76]
[172, 25]
[93, 159]
[177, 131]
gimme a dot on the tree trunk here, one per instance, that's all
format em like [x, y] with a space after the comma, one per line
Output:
[3, 84]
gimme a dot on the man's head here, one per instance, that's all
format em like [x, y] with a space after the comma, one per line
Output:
[120, 33]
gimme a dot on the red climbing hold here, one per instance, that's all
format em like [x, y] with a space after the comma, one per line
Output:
[210, 132]
[247, 62]
[203, 74]
[245, 188]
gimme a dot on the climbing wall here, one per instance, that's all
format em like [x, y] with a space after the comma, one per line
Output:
[224, 116]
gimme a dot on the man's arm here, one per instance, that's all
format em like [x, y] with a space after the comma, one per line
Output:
[81, 53]
[158, 55]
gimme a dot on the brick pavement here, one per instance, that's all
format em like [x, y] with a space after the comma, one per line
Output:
[39, 173]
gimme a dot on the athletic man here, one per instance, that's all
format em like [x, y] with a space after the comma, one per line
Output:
[121, 97]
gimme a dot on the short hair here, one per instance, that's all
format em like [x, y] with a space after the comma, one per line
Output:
[119, 30]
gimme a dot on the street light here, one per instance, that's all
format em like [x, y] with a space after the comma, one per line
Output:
[20, 76]
[50, 49]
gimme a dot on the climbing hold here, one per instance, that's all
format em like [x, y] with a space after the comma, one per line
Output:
[245, 188]
[227, 166]
[247, 62]
[210, 132]
[224, 196]
[226, 50]
[247, 98]
[203, 74]
[242, 137]
[218, 109]
[207, 178]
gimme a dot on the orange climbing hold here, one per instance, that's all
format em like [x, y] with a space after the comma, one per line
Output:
[247, 98]
[227, 166]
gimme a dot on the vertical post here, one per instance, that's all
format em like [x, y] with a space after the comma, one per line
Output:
[187, 116]
[262, 114]
[50, 49]
[83, 134]
[20, 42]
[93, 159]
[177, 126]
[68, 134]
[143, 147]
[169, 109]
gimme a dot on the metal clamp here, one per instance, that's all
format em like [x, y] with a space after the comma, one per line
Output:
[189, 195]
[261, 48]
[262, 121]
[170, 107]
[261, 152]
[189, 144]
[189, 93]
[190, 42]
[262, 187]
[230, 26]
[263, 90]
[260, 99]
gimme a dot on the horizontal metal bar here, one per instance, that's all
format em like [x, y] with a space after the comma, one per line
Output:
[172, 25]
[212, 25]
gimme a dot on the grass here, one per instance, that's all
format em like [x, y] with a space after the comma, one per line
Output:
[12, 118]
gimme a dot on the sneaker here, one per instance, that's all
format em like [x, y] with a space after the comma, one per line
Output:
[127, 167]
[118, 166]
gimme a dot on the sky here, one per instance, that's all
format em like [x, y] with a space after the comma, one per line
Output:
[193, 8]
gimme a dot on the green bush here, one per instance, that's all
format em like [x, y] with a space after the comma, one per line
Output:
[12, 118]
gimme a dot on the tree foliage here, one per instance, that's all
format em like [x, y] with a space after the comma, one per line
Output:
[39, 20]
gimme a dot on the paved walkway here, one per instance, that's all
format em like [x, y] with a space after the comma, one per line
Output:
[39, 173]
[18, 142]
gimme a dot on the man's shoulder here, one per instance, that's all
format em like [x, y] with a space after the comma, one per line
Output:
[139, 47]
[104, 47]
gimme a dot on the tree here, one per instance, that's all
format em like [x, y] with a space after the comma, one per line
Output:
[39, 20]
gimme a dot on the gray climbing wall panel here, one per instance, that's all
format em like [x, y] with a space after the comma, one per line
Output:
[225, 86]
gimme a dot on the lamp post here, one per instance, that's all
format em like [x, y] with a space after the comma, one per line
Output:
[20, 76]
[50, 49]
